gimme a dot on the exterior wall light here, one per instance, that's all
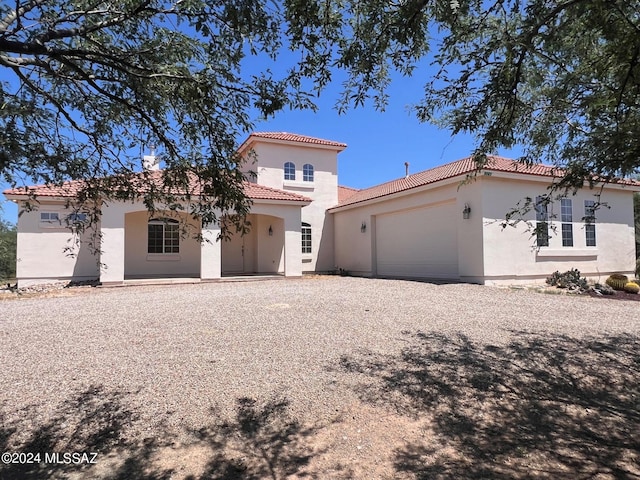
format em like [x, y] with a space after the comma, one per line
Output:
[363, 227]
[270, 231]
[466, 212]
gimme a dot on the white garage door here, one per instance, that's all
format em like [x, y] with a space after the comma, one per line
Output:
[418, 243]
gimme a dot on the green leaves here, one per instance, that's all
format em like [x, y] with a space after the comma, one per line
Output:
[560, 79]
[8, 245]
[88, 87]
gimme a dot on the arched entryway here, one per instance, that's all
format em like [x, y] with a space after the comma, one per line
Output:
[259, 251]
[160, 247]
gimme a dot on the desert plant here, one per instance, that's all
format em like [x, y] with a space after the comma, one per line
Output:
[632, 287]
[603, 289]
[8, 242]
[617, 281]
[570, 280]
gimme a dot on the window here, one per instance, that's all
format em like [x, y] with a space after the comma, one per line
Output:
[289, 171]
[49, 217]
[164, 236]
[77, 218]
[590, 219]
[566, 214]
[307, 173]
[542, 219]
[306, 238]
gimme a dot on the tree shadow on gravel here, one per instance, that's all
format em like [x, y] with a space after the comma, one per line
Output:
[92, 421]
[544, 406]
[260, 441]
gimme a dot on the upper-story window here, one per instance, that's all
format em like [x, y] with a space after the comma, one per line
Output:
[307, 173]
[289, 171]
[566, 214]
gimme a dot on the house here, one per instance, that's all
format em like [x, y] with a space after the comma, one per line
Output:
[425, 225]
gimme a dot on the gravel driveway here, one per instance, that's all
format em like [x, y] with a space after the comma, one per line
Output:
[324, 377]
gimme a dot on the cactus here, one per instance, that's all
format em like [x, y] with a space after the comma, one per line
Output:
[632, 287]
[617, 281]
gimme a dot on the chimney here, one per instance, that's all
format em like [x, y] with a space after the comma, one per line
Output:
[151, 162]
[406, 169]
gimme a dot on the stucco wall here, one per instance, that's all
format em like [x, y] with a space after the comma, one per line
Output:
[286, 231]
[470, 233]
[269, 249]
[510, 254]
[42, 256]
[323, 191]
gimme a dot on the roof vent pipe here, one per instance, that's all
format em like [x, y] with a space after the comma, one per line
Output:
[151, 162]
[406, 169]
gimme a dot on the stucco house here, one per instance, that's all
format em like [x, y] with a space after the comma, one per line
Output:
[425, 225]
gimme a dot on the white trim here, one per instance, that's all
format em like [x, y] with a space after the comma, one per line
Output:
[567, 252]
[298, 184]
[163, 257]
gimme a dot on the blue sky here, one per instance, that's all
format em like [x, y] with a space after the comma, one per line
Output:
[378, 142]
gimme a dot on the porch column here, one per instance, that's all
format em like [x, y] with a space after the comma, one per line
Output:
[112, 244]
[293, 243]
[210, 253]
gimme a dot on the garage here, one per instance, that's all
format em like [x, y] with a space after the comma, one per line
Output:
[421, 242]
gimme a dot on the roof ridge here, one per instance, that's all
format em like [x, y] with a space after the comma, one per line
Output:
[295, 137]
[449, 170]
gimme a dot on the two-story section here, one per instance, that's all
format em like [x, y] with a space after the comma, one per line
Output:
[307, 166]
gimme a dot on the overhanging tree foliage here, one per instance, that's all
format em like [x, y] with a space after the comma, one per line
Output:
[87, 83]
[95, 80]
[8, 245]
[559, 78]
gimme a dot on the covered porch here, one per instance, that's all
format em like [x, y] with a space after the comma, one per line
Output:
[136, 248]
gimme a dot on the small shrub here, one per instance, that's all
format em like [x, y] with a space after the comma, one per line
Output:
[570, 280]
[638, 267]
[617, 281]
[632, 287]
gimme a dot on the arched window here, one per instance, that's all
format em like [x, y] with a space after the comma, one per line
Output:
[164, 236]
[307, 173]
[306, 238]
[289, 171]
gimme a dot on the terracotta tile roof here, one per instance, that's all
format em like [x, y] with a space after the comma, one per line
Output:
[345, 192]
[260, 192]
[71, 189]
[450, 170]
[293, 137]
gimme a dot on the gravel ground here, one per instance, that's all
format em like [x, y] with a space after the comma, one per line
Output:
[324, 377]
